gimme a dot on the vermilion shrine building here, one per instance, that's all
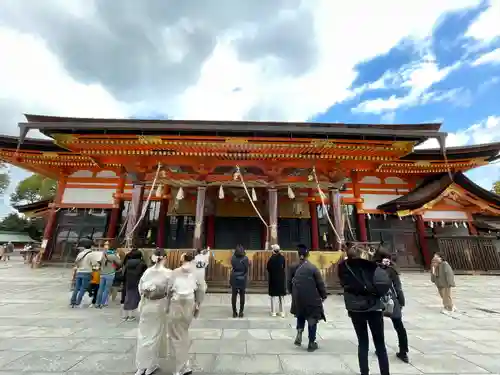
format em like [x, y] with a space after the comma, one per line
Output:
[377, 186]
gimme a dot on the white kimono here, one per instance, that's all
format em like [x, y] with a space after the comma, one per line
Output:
[185, 295]
[152, 330]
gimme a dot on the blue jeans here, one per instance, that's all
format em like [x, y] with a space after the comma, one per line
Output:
[104, 288]
[311, 328]
[82, 281]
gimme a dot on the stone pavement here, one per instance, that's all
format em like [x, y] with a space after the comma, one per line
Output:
[40, 334]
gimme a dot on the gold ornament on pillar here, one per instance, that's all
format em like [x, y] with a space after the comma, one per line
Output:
[159, 191]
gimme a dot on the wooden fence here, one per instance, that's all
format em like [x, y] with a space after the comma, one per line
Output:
[468, 253]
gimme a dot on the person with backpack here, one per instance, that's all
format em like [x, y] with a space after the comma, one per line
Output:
[152, 330]
[366, 287]
[109, 263]
[276, 280]
[384, 260]
[308, 291]
[133, 271]
[238, 279]
[185, 296]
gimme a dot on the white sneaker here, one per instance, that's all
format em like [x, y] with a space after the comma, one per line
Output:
[445, 312]
[282, 314]
[187, 369]
[273, 314]
[140, 371]
[152, 370]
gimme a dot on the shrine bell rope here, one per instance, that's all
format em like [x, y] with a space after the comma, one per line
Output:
[242, 180]
[325, 210]
[144, 208]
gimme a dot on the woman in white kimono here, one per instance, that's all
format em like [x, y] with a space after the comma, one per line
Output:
[152, 331]
[186, 294]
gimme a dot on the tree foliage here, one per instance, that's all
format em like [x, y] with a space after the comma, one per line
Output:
[496, 187]
[4, 178]
[16, 223]
[34, 189]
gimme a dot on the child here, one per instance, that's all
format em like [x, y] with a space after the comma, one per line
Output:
[95, 280]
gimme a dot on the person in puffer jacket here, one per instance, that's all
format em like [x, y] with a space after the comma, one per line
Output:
[364, 284]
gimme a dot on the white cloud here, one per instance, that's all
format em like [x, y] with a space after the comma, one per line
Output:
[485, 131]
[418, 78]
[492, 57]
[34, 81]
[485, 28]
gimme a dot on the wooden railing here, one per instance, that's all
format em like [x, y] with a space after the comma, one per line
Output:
[469, 253]
[219, 268]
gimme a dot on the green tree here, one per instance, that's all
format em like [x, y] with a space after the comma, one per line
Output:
[4, 178]
[496, 187]
[16, 223]
[33, 189]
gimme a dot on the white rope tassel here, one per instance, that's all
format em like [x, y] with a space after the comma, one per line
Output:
[144, 208]
[180, 194]
[322, 196]
[291, 194]
[221, 192]
[239, 176]
[254, 195]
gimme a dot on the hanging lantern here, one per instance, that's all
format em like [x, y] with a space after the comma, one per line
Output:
[221, 192]
[442, 224]
[464, 224]
[400, 217]
[91, 211]
[431, 224]
[325, 237]
[180, 194]
[159, 191]
[254, 195]
[412, 218]
[455, 224]
[291, 194]
[368, 216]
[385, 216]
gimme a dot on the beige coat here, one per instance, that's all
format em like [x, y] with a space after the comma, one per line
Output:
[442, 275]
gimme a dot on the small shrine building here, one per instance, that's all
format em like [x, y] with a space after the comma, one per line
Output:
[188, 184]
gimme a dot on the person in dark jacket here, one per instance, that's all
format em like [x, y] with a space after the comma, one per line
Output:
[133, 270]
[308, 291]
[238, 279]
[364, 284]
[384, 260]
[276, 280]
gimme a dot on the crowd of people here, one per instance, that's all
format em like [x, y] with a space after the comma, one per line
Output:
[171, 299]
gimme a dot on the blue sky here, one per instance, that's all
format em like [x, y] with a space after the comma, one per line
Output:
[352, 62]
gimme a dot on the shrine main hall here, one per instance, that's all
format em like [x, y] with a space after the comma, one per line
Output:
[189, 184]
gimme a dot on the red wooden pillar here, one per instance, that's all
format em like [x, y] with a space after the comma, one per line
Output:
[423, 241]
[47, 235]
[162, 223]
[313, 210]
[362, 232]
[211, 231]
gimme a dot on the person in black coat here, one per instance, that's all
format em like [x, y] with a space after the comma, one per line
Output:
[364, 285]
[384, 260]
[133, 271]
[308, 291]
[276, 280]
[238, 279]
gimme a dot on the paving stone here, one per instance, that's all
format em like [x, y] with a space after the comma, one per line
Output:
[45, 361]
[40, 334]
[248, 364]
